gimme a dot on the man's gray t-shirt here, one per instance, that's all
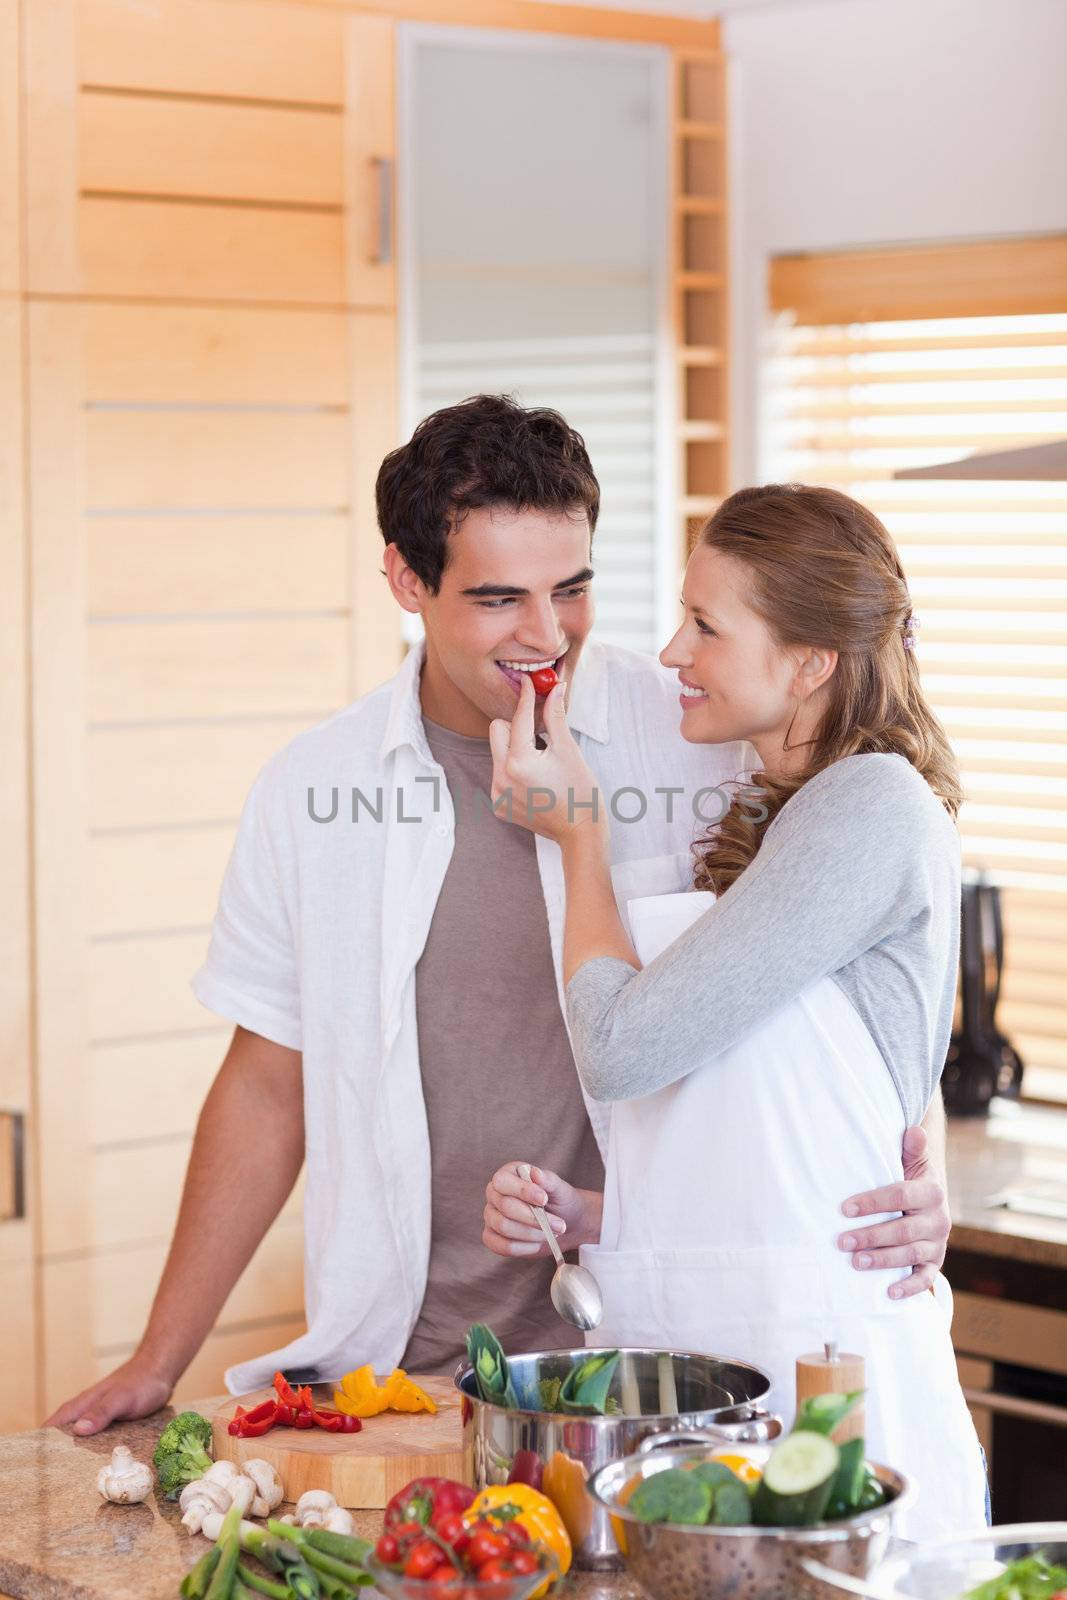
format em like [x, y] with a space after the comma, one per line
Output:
[498, 1073]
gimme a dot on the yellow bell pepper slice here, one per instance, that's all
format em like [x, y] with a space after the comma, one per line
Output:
[360, 1394]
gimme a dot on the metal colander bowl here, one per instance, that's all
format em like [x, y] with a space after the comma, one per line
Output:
[748, 1563]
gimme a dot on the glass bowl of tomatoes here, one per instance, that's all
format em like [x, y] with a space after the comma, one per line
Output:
[461, 1560]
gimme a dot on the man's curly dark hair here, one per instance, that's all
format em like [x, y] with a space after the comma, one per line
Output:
[486, 451]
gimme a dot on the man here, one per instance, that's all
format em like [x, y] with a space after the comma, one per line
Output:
[390, 954]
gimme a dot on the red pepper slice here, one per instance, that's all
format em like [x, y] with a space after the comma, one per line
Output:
[250, 1424]
[286, 1394]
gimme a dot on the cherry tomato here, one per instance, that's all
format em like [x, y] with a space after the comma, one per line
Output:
[387, 1550]
[423, 1559]
[515, 1534]
[446, 1577]
[493, 1571]
[408, 1533]
[544, 680]
[525, 1561]
[452, 1529]
[486, 1545]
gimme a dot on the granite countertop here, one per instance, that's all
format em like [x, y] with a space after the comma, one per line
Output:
[60, 1541]
[1019, 1151]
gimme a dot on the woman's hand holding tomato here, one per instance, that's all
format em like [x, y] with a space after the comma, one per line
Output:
[552, 791]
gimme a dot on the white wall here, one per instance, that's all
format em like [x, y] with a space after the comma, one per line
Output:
[857, 122]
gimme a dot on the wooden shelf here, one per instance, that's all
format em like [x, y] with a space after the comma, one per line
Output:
[701, 432]
[701, 355]
[700, 280]
[699, 505]
[694, 205]
[687, 128]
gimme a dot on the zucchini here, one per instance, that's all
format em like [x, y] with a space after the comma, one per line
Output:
[732, 1506]
[671, 1496]
[848, 1480]
[795, 1488]
[871, 1494]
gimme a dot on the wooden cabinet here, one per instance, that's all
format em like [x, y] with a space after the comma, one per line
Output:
[197, 385]
[209, 329]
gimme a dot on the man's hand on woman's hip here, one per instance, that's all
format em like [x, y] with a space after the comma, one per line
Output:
[919, 1238]
[510, 1228]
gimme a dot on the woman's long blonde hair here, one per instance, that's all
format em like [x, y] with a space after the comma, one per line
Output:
[822, 570]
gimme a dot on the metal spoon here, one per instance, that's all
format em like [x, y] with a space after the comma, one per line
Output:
[575, 1292]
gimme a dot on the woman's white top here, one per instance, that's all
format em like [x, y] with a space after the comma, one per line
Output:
[765, 1081]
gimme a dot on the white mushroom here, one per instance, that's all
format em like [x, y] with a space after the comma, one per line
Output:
[269, 1489]
[338, 1520]
[124, 1480]
[242, 1491]
[313, 1506]
[199, 1499]
[221, 1472]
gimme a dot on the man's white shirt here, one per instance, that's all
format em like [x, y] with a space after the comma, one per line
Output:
[340, 855]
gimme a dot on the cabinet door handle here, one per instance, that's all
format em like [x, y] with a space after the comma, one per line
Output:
[383, 254]
[12, 1166]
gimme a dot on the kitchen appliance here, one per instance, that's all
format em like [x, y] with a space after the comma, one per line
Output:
[949, 1569]
[981, 1061]
[746, 1563]
[656, 1391]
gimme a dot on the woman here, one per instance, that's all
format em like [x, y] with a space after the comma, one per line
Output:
[770, 1058]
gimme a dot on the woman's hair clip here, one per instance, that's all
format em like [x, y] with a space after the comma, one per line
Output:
[911, 631]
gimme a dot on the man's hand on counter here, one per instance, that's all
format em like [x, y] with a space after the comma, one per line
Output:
[917, 1239]
[135, 1389]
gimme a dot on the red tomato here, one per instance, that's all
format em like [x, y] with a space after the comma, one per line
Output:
[486, 1545]
[446, 1577]
[525, 1561]
[408, 1532]
[423, 1559]
[387, 1549]
[544, 680]
[515, 1533]
[493, 1571]
[452, 1529]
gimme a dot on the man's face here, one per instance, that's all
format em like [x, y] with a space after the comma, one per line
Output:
[515, 593]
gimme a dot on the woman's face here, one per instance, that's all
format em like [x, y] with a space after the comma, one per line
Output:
[736, 681]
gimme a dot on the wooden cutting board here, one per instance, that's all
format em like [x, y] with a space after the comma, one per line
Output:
[361, 1470]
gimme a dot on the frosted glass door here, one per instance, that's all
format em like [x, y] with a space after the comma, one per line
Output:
[534, 201]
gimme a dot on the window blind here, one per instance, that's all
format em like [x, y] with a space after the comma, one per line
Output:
[849, 403]
[605, 385]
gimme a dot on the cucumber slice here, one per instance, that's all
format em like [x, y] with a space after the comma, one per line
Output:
[732, 1506]
[824, 1413]
[671, 1496]
[849, 1478]
[795, 1488]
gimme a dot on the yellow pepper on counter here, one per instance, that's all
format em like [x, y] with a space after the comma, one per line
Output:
[361, 1395]
[517, 1502]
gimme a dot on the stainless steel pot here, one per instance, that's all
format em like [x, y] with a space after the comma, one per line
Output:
[656, 1391]
[746, 1563]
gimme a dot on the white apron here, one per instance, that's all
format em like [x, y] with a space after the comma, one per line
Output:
[721, 1207]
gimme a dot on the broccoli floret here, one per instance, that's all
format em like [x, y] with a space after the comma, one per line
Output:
[183, 1452]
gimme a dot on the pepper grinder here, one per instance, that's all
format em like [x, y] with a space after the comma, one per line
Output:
[832, 1372]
